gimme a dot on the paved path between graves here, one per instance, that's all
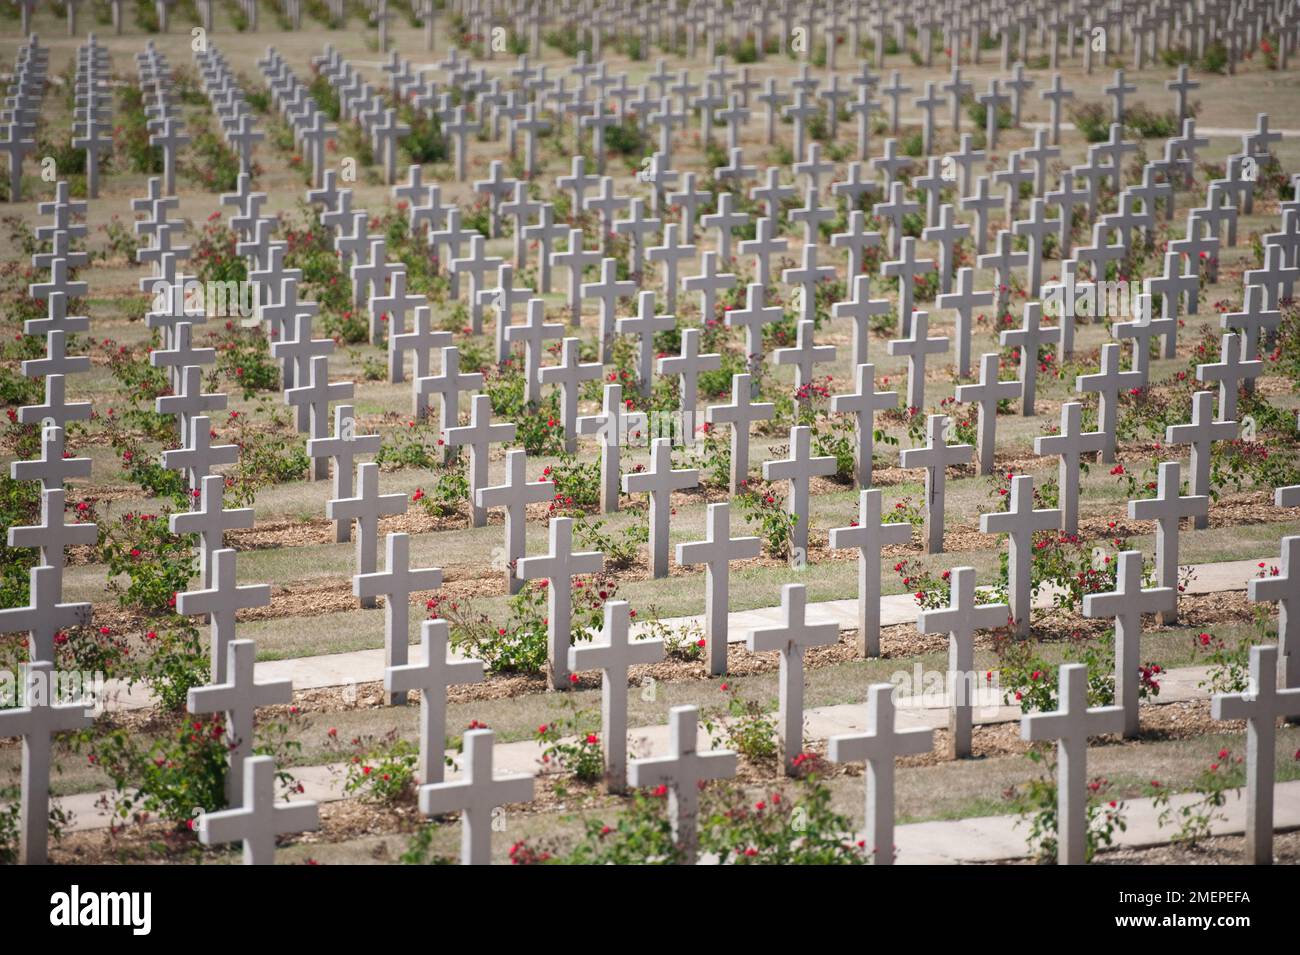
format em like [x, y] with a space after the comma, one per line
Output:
[324, 783]
[367, 666]
[993, 838]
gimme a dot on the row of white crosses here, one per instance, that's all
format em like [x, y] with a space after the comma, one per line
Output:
[21, 111]
[91, 126]
[799, 28]
[234, 115]
[46, 617]
[166, 128]
[253, 816]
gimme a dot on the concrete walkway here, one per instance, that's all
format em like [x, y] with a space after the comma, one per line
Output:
[993, 838]
[367, 666]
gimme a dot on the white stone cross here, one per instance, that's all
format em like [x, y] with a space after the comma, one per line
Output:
[960, 619]
[479, 436]
[395, 584]
[1069, 444]
[431, 678]
[57, 361]
[459, 129]
[716, 552]
[799, 469]
[708, 283]
[545, 232]
[659, 481]
[1277, 280]
[1167, 509]
[790, 640]
[641, 228]
[1230, 371]
[220, 600]
[51, 536]
[935, 457]
[806, 278]
[1028, 337]
[238, 696]
[316, 395]
[477, 264]
[1126, 604]
[449, 384]
[860, 309]
[1002, 261]
[577, 182]
[343, 449]
[200, 455]
[210, 521]
[681, 774]
[916, 346]
[863, 405]
[857, 239]
[688, 200]
[878, 747]
[513, 497]
[724, 219]
[687, 367]
[1254, 319]
[393, 306]
[36, 721]
[805, 355]
[56, 409]
[569, 374]
[670, 255]
[1109, 382]
[295, 351]
[1281, 590]
[765, 244]
[52, 468]
[645, 325]
[963, 302]
[812, 214]
[739, 414]
[1180, 87]
[614, 425]
[608, 292]
[987, 394]
[1259, 706]
[558, 567]
[868, 536]
[260, 817]
[613, 654]
[477, 796]
[1019, 522]
[44, 616]
[948, 234]
[1070, 726]
[366, 507]
[1141, 330]
[753, 318]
